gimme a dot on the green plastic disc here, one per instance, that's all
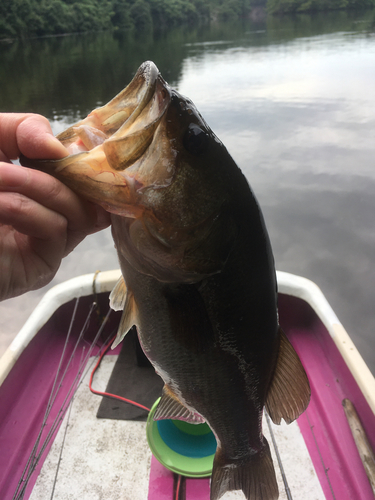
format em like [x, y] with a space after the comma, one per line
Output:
[184, 448]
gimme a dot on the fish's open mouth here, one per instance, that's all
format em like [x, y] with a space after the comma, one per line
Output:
[126, 122]
[109, 140]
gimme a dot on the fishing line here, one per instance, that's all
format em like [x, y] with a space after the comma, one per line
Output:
[46, 414]
[40, 446]
[67, 421]
[283, 475]
[62, 448]
[34, 456]
[52, 399]
[103, 350]
[73, 390]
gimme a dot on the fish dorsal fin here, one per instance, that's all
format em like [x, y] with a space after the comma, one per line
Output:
[170, 407]
[117, 297]
[128, 318]
[289, 391]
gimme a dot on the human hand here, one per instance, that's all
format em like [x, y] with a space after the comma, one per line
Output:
[41, 220]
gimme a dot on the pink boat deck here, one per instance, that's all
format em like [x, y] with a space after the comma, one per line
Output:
[324, 425]
[26, 391]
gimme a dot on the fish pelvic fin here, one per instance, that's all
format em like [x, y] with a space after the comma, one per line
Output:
[128, 318]
[170, 407]
[289, 392]
[117, 297]
[255, 476]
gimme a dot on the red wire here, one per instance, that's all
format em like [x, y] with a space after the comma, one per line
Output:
[114, 396]
[178, 487]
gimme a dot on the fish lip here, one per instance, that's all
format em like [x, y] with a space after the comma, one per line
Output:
[150, 70]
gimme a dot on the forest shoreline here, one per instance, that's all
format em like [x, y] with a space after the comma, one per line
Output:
[39, 18]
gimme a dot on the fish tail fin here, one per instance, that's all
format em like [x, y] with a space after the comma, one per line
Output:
[255, 477]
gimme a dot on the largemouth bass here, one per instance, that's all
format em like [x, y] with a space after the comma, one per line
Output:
[198, 271]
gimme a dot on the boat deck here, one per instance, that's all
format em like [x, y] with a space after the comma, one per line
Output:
[108, 459]
[133, 474]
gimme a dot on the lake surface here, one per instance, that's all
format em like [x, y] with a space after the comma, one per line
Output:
[293, 99]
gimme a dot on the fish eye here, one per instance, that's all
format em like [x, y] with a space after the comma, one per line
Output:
[196, 140]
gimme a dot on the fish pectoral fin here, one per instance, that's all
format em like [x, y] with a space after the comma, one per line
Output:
[170, 407]
[289, 392]
[128, 318]
[255, 476]
[117, 297]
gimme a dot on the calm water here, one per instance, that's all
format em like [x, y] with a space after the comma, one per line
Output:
[294, 102]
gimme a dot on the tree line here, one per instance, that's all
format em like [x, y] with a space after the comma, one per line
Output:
[292, 6]
[30, 18]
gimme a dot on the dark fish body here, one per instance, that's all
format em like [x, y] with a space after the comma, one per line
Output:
[198, 272]
[217, 365]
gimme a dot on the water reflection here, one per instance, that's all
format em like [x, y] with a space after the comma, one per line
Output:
[291, 98]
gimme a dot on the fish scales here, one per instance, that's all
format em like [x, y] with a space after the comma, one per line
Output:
[198, 277]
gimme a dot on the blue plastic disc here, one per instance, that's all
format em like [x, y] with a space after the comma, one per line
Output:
[190, 440]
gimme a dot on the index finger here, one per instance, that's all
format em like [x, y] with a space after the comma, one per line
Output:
[49, 192]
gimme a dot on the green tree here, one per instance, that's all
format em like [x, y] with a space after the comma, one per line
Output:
[120, 16]
[286, 6]
[140, 14]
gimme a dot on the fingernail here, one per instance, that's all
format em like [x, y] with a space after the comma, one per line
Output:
[58, 147]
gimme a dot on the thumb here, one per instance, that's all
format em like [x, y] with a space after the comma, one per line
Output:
[29, 134]
[36, 140]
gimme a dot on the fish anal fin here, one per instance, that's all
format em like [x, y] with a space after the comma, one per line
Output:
[289, 392]
[128, 318]
[170, 407]
[254, 476]
[117, 297]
